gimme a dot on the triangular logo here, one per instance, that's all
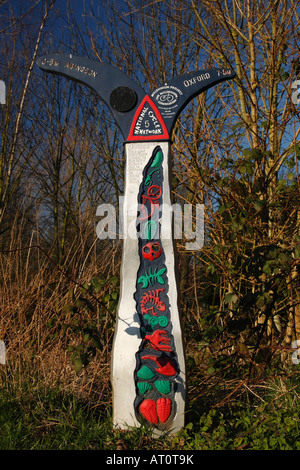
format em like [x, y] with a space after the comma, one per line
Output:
[147, 123]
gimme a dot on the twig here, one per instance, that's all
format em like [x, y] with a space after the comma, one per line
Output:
[19, 114]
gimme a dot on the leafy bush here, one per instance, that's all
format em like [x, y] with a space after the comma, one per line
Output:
[54, 420]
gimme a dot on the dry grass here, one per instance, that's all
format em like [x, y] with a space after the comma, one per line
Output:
[33, 293]
[34, 289]
[224, 411]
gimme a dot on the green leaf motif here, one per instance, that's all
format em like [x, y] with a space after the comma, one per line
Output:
[148, 180]
[150, 278]
[157, 159]
[150, 229]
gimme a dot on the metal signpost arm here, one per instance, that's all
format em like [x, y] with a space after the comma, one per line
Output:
[125, 98]
[118, 91]
[148, 365]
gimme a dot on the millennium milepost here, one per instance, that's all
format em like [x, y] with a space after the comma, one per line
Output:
[148, 361]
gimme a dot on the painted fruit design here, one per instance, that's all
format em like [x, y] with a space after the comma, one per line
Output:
[148, 411]
[163, 409]
[155, 412]
[156, 360]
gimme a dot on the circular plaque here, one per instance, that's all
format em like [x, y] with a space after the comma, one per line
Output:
[123, 99]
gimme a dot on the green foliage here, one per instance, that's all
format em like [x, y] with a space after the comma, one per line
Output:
[85, 318]
[50, 421]
[265, 427]
[54, 421]
[254, 248]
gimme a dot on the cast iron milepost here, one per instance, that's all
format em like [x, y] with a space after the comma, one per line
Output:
[148, 360]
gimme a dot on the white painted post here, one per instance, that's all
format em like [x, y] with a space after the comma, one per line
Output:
[148, 367]
[127, 337]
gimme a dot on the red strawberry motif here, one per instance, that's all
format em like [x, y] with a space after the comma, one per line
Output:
[163, 408]
[148, 410]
